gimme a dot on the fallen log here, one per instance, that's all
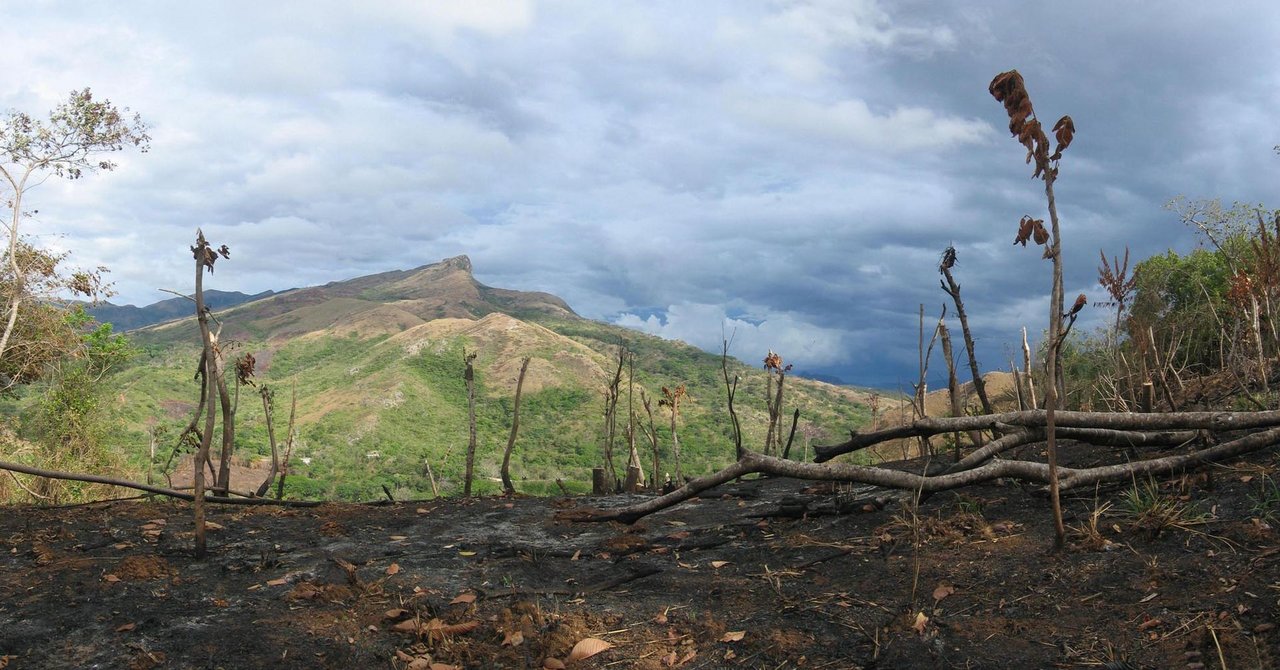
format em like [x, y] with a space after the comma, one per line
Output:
[752, 462]
[1097, 436]
[158, 490]
[1212, 421]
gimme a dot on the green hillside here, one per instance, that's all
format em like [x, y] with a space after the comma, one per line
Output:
[381, 393]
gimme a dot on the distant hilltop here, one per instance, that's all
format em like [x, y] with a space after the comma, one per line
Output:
[437, 290]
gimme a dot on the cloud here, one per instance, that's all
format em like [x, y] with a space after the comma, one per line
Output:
[796, 166]
[706, 326]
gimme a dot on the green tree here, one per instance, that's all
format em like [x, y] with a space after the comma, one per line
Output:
[70, 425]
[71, 142]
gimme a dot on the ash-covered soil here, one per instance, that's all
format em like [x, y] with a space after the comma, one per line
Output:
[770, 573]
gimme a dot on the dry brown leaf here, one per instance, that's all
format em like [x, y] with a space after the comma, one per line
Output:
[399, 538]
[126, 627]
[1081, 301]
[669, 660]
[437, 628]
[463, 598]
[393, 569]
[110, 578]
[687, 657]
[278, 582]
[445, 666]
[733, 636]
[419, 663]
[396, 613]
[576, 555]
[679, 535]
[1039, 233]
[552, 664]
[719, 564]
[404, 657]
[513, 639]
[661, 618]
[921, 622]
[211, 525]
[406, 626]
[943, 591]
[1149, 623]
[586, 648]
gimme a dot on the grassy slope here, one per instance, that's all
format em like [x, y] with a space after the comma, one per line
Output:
[374, 408]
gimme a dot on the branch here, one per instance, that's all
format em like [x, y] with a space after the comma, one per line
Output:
[1214, 421]
[752, 462]
[158, 490]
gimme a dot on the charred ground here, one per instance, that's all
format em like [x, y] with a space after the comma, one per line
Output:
[811, 575]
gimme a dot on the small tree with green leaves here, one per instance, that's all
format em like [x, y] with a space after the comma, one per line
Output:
[70, 143]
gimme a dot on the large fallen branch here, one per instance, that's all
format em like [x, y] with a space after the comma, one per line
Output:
[1096, 436]
[1212, 421]
[752, 462]
[158, 490]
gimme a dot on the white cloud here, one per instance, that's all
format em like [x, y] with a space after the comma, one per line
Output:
[705, 326]
[853, 122]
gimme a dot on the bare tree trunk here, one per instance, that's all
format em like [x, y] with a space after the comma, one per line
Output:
[612, 395]
[210, 382]
[953, 385]
[979, 385]
[731, 388]
[772, 412]
[675, 439]
[228, 429]
[470, 376]
[18, 278]
[1026, 371]
[651, 432]
[268, 407]
[922, 388]
[288, 445]
[1256, 325]
[1017, 386]
[515, 428]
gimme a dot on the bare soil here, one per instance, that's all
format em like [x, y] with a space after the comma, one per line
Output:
[808, 575]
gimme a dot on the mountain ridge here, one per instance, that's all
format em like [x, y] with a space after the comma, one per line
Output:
[378, 362]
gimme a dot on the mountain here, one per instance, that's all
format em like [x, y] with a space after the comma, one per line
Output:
[378, 366]
[129, 317]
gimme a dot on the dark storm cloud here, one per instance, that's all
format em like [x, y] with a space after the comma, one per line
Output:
[789, 171]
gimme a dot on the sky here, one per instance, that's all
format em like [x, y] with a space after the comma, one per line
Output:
[785, 172]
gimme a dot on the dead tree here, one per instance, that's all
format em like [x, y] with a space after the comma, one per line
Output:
[921, 388]
[671, 400]
[1026, 372]
[268, 412]
[953, 289]
[515, 428]
[651, 432]
[635, 471]
[776, 375]
[731, 389]
[211, 370]
[911, 483]
[1008, 88]
[288, 444]
[469, 375]
[953, 386]
[612, 394]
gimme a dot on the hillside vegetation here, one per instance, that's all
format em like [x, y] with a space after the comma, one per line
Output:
[377, 363]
